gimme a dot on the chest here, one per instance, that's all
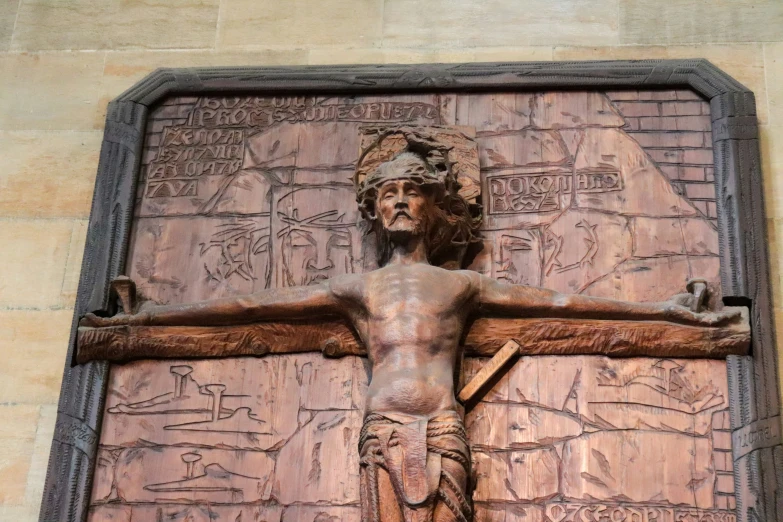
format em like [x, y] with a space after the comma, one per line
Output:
[429, 291]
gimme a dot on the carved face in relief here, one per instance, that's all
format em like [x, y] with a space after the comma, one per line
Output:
[518, 260]
[402, 207]
[317, 236]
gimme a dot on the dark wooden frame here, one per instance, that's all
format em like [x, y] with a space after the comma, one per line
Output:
[753, 380]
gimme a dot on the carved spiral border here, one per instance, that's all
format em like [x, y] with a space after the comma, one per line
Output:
[753, 380]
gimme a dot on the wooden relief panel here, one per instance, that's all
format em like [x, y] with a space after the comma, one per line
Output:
[605, 193]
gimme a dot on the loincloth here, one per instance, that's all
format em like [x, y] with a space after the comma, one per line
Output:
[411, 448]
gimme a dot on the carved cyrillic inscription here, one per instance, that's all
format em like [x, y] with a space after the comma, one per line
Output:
[537, 192]
[618, 513]
[544, 191]
[76, 433]
[189, 153]
[263, 112]
[760, 434]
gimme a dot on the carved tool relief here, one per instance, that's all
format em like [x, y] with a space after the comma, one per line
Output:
[191, 400]
[214, 483]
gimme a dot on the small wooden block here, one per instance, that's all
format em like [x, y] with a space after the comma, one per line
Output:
[509, 350]
[125, 288]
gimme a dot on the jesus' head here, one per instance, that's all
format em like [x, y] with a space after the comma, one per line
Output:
[410, 198]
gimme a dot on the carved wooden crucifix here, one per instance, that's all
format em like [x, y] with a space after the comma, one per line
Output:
[415, 320]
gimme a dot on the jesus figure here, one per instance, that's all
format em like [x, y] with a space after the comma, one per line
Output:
[410, 315]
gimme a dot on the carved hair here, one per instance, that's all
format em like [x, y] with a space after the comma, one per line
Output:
[452, 224]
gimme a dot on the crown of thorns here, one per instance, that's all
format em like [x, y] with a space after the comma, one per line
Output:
[423, 161]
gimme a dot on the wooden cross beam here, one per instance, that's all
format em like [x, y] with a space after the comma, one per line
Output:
[484, 337]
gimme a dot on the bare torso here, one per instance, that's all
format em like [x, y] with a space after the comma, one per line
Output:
[411, 318]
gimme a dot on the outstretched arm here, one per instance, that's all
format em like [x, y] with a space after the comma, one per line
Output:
[497, 298]
[279, 303]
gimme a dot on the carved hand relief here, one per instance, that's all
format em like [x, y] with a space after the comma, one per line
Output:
[578, 194]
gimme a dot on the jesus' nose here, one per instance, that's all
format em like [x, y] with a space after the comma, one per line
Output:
[322, 260]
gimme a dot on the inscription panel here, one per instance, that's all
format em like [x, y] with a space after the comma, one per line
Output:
[544, 191]
[71, 431]
[579, 195]
[760, 434]
[615, 513]
[265, 112]
[188, 154]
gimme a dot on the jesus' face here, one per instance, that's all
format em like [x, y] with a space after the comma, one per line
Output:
[316, 235]
[402, 207]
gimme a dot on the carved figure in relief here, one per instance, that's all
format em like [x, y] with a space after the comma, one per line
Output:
[410, 314]
[238, 243]
[316, 239]
[515, 253]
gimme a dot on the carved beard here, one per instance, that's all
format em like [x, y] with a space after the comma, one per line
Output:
[386, 238]
[416, 228]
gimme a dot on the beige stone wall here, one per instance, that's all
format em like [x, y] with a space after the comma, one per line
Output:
[62, 61]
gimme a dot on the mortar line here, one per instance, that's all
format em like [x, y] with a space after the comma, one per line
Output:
[16, 21]
[766, 83]
[67, 260]
[218, 25]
